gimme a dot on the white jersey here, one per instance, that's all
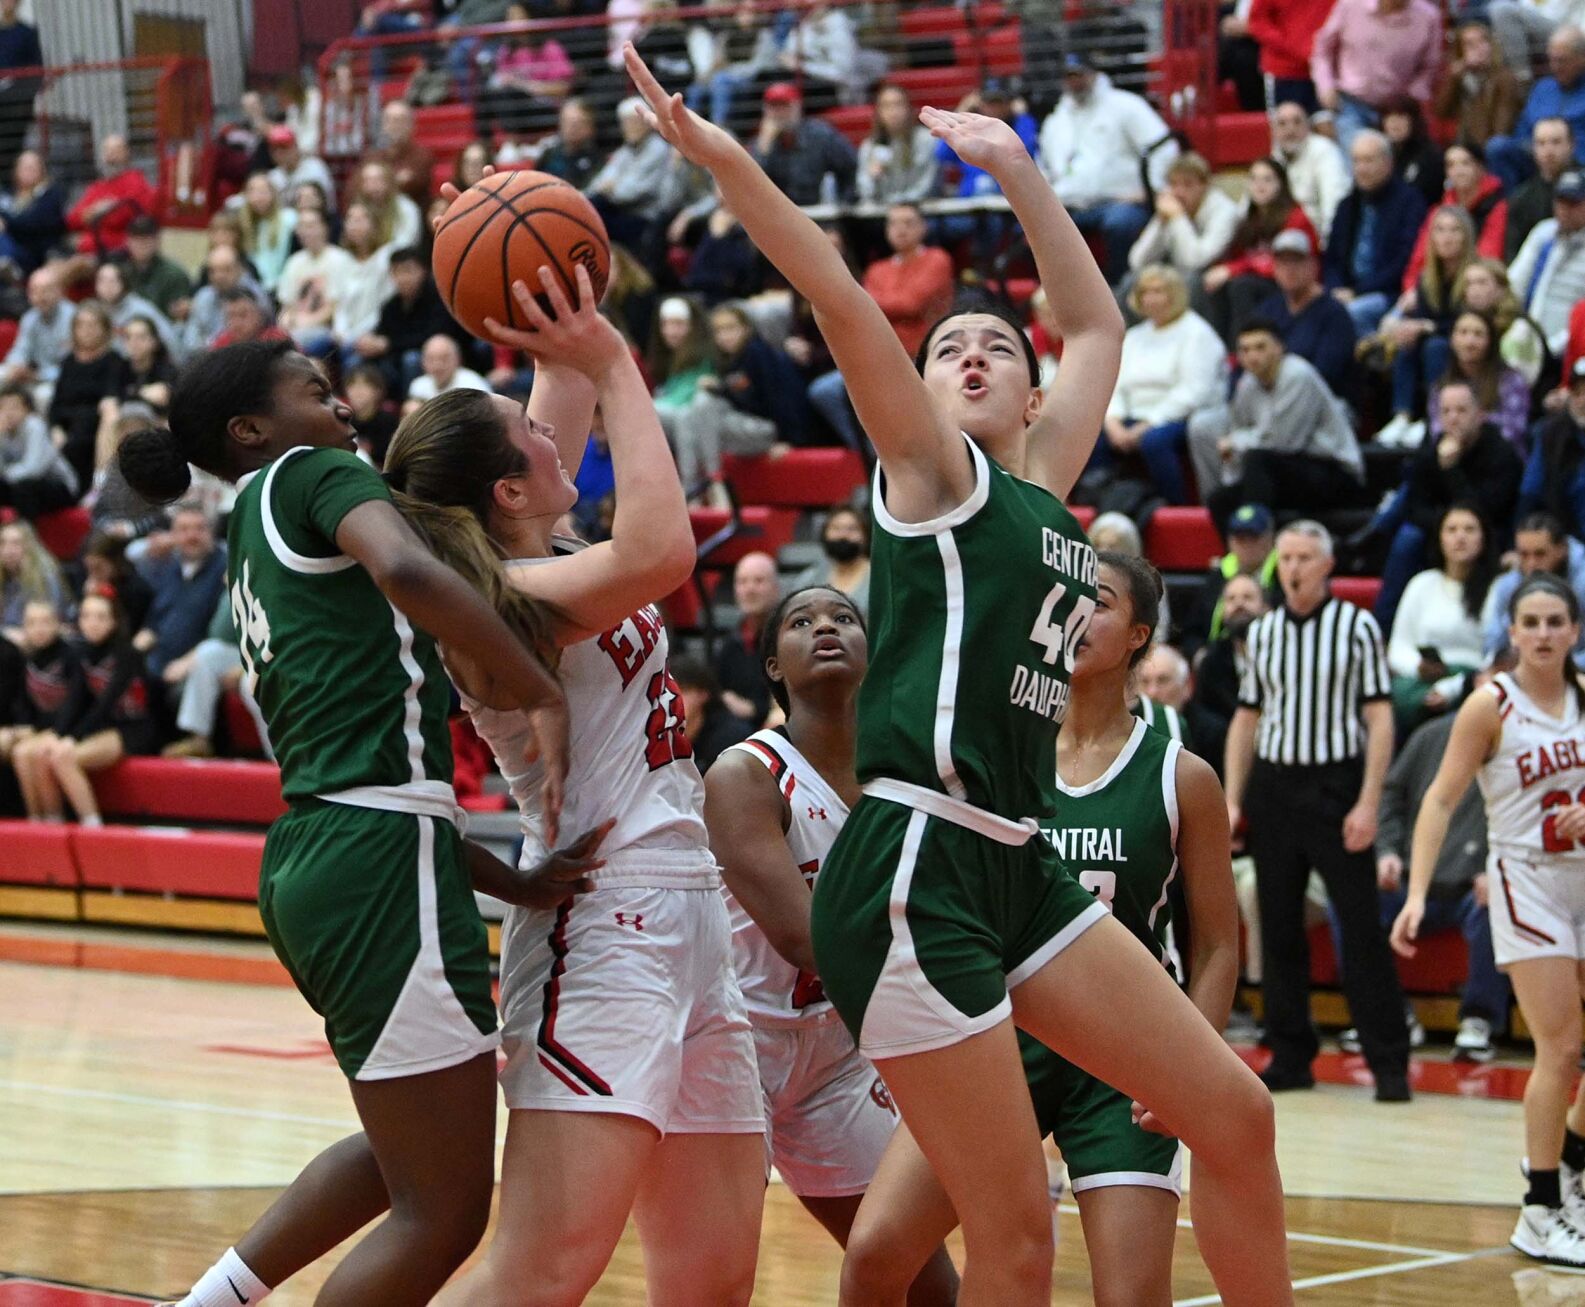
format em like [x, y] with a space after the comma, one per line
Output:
[1539, 764]
[775, 990]
[629, 758]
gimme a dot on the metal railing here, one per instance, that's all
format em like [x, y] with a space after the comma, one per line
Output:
[161, 105]
[939, 53]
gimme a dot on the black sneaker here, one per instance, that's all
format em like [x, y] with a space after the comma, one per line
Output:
[1392, 1087]
[1279, 1079]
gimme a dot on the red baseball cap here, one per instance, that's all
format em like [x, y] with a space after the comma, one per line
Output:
[783, 93]
[281, 135]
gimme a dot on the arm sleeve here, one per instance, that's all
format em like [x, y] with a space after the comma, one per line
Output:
[1199, 371]
[1391, 823]
[1403, 646]
[1333, 355]
[1522, 271]
[314, 491]
[1151, 245]
[1323, 53]
[73, 705]
[1430, 60]
[1299, 408]
[1249, 688]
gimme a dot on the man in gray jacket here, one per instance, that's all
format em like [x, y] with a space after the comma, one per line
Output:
[1286, 442]
[1542, 545]
[1457, 900]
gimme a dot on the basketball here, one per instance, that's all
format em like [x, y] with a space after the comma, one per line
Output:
[505, 229]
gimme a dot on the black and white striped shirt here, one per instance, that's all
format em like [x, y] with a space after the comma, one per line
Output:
[1308, 678]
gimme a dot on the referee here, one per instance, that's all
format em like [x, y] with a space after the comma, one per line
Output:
[1307, 755]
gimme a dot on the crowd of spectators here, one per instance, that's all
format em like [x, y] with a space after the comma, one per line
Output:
[1380, 324]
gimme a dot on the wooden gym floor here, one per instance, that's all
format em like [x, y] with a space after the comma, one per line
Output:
[155, 1095]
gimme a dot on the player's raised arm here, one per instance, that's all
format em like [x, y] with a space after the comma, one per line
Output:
[925, 461]
[1062, 437]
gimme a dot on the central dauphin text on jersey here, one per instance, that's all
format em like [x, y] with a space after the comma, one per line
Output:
[1056, 632]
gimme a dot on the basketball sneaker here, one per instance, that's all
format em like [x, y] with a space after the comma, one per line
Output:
[1571, 1187]
[1473, 1041]
[1548, 1235]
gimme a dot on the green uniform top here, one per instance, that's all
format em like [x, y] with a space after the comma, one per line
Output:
[1160, 717]
[351, 693]
[1119, 835]
[974, 619]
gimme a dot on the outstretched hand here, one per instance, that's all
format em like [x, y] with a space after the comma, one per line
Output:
[694, 138]
[976, 138]
[557, 333]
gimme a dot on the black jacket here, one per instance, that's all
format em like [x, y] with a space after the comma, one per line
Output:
[1487, 475]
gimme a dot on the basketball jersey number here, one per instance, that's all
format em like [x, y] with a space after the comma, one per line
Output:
[807, 988]
[1102, 884]
[665, 739]
[253, 628]
[1551, 841]
[1061, 641]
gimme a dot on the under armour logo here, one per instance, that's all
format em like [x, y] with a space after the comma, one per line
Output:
[882, 1097]
[817, 814]
[635, 920]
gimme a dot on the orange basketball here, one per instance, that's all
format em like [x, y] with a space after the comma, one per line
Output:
[505, 229]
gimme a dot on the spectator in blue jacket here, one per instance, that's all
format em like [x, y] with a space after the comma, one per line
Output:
[753, 400]
[1314, 325]
[1373, 234]
[986, 230]
[1542, 545]
[19, 48]
[187, 577]
[1561, 95]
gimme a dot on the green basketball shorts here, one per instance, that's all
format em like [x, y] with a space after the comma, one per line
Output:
[1093, 1125]
[921, 925]
[371, 912]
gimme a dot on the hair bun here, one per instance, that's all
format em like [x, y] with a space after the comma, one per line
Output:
[152, 463]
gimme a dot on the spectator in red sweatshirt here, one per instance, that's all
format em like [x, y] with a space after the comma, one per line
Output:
[109, 205]
[1285, 31]
[913, 285]
[1476, 191]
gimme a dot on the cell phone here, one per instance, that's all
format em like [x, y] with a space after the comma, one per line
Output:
[1430, 653]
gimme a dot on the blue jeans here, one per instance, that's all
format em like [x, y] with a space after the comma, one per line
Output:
[1294, 90]
[1486, 990]
[1353, 116]
[1405, 556]
[828, 396]
[1367, 311]
[1415, 370]
[1161, 450]
[1118, 223]
[1510, 158]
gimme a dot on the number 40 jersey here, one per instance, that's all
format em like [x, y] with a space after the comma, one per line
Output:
[629, 759]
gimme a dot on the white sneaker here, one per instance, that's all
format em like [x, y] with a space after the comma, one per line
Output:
[1549, 1236]
[1348, 1040]
[1413, 436]
[1391, 434]
[1473, 1041]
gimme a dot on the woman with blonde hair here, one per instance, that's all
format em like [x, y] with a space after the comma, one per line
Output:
[1415, 332]
[28, 574]
[267, 227]
[1484, 287]
[1173, 363]
[397, 221]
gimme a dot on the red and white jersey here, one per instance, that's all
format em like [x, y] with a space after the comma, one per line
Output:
[775, 990]
[629, 759]
[1539, 765]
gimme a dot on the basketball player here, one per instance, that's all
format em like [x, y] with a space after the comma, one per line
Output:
[630, 1071]
[1522, 737]
[774, 805]
[364, 888]
[1135, 811]
[938, 921]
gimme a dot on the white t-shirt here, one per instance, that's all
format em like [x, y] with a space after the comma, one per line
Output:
[424, 387]
[308, 279]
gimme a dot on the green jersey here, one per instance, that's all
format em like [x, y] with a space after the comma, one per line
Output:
[352, 695]
[1119, 835]
[974, 620]
[1160, 717]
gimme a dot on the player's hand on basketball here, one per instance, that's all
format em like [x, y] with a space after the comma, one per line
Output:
[549, 723]
[695, 138]
[564, 872]
[449, 193]
[578, 338]
[1145, 1119]
[1406, 929]
[976, 138]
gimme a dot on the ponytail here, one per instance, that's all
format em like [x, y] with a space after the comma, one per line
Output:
[441, 466]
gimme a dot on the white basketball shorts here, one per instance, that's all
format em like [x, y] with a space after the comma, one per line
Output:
[829, 1114]
[1537, 909]
[624, 1000]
